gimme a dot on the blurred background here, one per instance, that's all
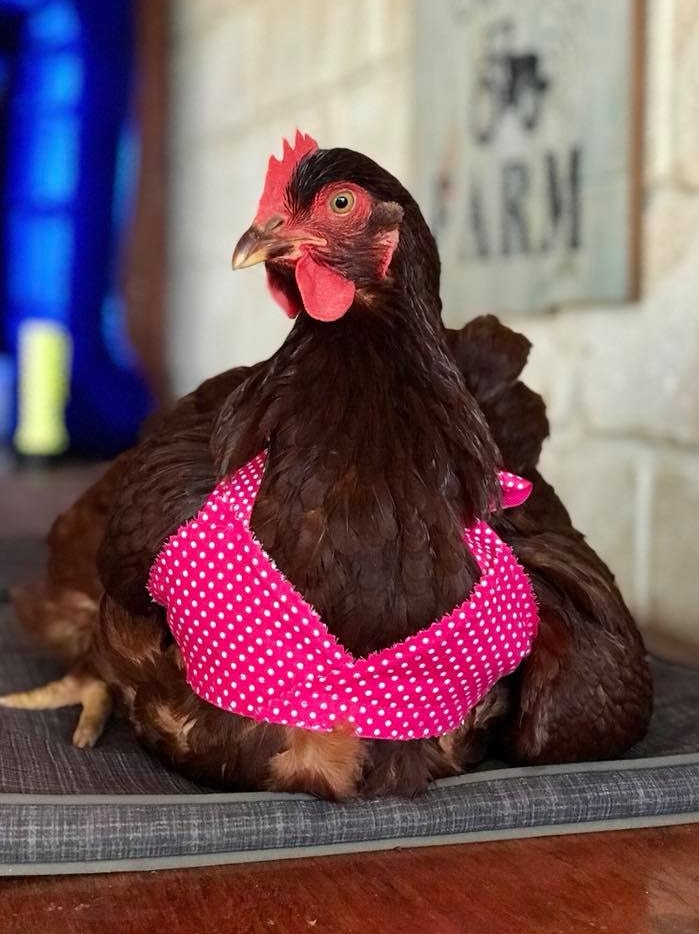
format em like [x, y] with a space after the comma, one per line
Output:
[553, 145]
[82, 252]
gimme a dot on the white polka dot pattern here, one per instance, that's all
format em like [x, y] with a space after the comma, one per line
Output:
[253, 646]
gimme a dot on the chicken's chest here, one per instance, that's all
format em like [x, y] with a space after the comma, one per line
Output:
[371, 548]
[253, 645]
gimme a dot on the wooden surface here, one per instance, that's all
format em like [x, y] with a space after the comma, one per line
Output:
[144, 268]
[634, 882]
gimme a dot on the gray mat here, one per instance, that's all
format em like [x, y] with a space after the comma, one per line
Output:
[115, 807]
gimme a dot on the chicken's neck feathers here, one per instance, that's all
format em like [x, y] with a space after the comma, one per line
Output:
[378, 457]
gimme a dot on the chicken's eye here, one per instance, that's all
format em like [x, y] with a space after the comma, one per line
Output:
[342, 202]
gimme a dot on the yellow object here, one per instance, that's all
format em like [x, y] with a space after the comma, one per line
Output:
[44, 358]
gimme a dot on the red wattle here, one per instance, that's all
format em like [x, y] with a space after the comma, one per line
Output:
[326, 294]
[281, 298]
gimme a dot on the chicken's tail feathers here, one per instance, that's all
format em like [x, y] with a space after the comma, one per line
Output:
[491, 358]
[490, 355]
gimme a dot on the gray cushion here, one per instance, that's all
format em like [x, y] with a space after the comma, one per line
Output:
[115, 807]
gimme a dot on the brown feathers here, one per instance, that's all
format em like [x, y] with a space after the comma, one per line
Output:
[328, 765]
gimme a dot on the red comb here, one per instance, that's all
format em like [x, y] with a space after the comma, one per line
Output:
[279, 172]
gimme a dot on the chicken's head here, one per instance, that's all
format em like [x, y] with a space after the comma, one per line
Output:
[330, 228]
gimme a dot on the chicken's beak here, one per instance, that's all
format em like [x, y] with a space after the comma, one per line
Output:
[257, 246]
[273, 241]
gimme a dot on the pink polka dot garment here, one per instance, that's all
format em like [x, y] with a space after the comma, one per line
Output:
[253, 646]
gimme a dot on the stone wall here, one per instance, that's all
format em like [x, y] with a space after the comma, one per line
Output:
[620, 381]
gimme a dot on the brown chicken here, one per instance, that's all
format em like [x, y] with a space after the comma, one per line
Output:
[384, 432]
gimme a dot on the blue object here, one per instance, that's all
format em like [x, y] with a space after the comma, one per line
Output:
[70, 176]
[7, 395]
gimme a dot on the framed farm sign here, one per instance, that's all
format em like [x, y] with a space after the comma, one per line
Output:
[527, 147]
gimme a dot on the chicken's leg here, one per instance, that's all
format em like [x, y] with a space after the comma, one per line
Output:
[77, 687]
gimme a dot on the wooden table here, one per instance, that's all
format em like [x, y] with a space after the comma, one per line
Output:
[632, 882]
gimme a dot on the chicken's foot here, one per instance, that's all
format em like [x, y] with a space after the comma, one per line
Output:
[77, 687]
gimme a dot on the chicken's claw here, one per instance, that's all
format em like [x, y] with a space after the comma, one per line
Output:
[74, 688]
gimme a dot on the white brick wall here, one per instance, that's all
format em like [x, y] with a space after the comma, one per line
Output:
[621, 382]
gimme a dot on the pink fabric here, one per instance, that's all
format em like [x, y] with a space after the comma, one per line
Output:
[253, 646]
